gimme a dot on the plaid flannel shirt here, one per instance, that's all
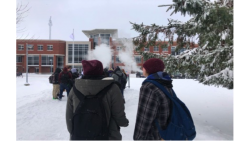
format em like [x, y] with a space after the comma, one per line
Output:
[153, 104]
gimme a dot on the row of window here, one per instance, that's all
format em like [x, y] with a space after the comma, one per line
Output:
[39, 47]
[118, 48]
[80, 52]
[104, 39]
[156, 48]
[173, 52]
[46, 60]
[166, 49]
[117, 59]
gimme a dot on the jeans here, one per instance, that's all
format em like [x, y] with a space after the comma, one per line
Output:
[62, 87]
[122, 90]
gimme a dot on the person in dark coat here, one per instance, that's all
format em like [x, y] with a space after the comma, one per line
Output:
[69, 69]
[153, 103]
[64, 80]
[75, 75]
[118, 73]
[56, 86]
[111, 71]
[105, 72]
[90, 84]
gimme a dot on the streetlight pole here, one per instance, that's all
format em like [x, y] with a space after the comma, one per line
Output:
[26, 84]
[50, 65]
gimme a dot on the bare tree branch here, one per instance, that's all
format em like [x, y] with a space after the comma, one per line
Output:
[21, 10]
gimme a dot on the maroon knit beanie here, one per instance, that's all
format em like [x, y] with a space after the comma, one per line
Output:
[153, 65]
[92, 67]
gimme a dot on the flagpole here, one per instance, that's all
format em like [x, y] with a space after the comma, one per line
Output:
[50, 24]
[73, 50]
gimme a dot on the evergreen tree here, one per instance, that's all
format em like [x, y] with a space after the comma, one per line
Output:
[211, 24]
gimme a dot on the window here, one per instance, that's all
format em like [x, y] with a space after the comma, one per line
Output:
[33, 60]
[60, 62]
[117, 59]
[20, 47]
[165, 49]
[30, 47]
[39, 47]
[156, 48]
[96, 37]
[47, 60]
[138, 59]
[19, 59]
[79, 69]
[80, 52]
[37, 70]
[105, 38]
[173, 50]
[49, 47]
[146, 49]
[181, 50]
[118, 48]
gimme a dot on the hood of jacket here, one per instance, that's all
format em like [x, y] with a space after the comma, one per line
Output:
[161, 77]
[90, 86]
[118, 71]
[58, 70]
[65, 69]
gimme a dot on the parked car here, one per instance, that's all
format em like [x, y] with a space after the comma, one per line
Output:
[19, 74]
[139, 75]
[178, 76]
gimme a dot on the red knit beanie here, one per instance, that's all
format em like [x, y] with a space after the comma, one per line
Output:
[92, 67]
[153, 65]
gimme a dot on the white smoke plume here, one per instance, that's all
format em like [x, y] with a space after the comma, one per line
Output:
[126, 55]
[102, 53]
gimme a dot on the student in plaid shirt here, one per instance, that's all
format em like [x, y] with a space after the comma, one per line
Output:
[153, 103]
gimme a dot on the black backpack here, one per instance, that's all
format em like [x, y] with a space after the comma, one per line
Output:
[65, 78]
[52, 79]
[121, 81]
[89, 121]
[181, 125]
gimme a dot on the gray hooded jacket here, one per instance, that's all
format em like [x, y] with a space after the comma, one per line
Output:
[113, 103]
[120, 73]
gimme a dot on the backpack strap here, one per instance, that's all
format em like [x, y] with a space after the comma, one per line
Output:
[100, 96]
[162, 88]
[166, 93]
[102, 92]
[78, 94]
[173, 98]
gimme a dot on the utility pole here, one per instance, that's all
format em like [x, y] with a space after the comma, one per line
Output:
[26, 84]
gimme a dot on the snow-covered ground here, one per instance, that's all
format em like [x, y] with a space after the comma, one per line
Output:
[39, 117]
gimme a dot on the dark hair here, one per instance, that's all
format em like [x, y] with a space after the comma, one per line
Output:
[69, 67]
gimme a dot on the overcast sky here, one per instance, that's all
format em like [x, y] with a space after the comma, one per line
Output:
[90, 14]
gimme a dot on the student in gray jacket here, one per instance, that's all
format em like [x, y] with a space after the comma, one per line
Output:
[90, 84]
